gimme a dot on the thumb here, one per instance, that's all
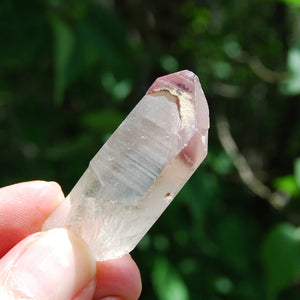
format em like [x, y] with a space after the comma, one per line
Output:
[50, 265]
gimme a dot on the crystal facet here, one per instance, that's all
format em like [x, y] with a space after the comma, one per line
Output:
[140, 169]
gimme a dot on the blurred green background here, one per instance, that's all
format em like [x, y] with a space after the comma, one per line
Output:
[70, 71]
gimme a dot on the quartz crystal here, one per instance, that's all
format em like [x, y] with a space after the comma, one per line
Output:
[140, 169]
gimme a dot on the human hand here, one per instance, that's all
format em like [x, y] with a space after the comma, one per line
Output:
[53, 265]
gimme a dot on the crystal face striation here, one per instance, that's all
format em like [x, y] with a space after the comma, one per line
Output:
[140, 169]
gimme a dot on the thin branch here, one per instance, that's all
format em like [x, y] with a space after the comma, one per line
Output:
[276, 199]
[227, 90]
[263, 72]
[260, 69]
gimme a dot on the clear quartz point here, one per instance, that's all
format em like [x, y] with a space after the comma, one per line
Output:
[140, 169]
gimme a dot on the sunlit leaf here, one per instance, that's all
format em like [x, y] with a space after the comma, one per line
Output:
[292, 85]
[291, 1]
[167, 282]
[287, 184]
[280, 257]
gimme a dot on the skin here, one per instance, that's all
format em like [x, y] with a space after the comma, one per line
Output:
[56, 264]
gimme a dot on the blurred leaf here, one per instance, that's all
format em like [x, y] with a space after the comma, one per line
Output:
[63, 48]
[103, 120]
[189, 265]
[222, 69]
[122, 89]
[119, 90]
[292, 85]
[297, 171]
[167, 282]
[281, 257]
[169, 63]
[220, 162]
[223, 285]
[231, 46]
[200, 19]
[291, 1]
[287, 184]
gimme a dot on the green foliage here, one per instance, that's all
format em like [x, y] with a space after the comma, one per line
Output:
[63, 48]
[292, 1]
[287, 184]
[292, 85]
[290, 184]
[167, 282]
[88, 41]
[280, 255]
[70, 71]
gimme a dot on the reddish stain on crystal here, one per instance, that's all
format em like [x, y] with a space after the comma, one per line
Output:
[183, 87]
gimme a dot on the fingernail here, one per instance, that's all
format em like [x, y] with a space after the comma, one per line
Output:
[57, 265]
[46, 188]
[55, 189]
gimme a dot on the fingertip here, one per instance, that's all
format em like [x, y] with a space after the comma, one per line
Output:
[118, 279]
[53, 194]
[23, 209]
[38, 194]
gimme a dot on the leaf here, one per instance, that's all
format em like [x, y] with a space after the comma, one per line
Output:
[63, 48]
[280, 257]
[168, 284]
[169, 63]
[118, 90]
[287, 184]
[297, 171]
[292, 85]
[222, 69]
[220, 162]
[291, 1]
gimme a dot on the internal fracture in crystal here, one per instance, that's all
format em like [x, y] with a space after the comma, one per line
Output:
[140, 169]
